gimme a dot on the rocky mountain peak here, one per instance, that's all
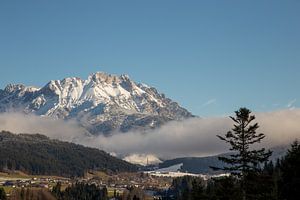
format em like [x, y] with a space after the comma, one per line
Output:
[10, 88]
[103, 103]
[102, 77]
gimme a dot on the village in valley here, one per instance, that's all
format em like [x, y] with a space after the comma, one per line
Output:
[116, 183]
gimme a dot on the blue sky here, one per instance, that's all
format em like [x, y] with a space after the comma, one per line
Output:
[210, 56]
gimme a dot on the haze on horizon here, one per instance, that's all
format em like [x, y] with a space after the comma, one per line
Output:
[191, 137]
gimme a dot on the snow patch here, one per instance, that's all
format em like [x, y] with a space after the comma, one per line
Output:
[173, 168]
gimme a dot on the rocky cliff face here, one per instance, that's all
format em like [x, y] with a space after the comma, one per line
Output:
[103, 103]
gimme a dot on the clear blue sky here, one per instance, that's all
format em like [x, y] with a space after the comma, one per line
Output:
[210, 56]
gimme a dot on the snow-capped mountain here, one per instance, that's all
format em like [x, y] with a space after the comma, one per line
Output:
[103, 103]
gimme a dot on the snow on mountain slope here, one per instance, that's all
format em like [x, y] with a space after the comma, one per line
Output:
[103, 103]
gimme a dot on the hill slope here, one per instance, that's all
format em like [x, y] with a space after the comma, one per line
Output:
[102, 104]
[37, 154]
[201, 165]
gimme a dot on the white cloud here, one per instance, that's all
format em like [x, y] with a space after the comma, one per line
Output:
[142, 159]
[209, 102]
[192, 137]
[56, 129]
[197, 137]
[291, 103]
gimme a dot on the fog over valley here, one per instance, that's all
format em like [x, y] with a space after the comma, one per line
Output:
[191, 137]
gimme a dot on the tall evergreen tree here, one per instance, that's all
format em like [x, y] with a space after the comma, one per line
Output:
[290, 173]
[244, 160]
[224, 188]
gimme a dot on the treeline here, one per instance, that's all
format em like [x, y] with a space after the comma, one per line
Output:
[86, 191]
[77, 191]
[275, 181]
[37, 154]
[80, 191]
[132, 193]
[30, 194]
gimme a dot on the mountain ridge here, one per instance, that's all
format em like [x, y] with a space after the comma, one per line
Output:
[103, 103]
[201, 165]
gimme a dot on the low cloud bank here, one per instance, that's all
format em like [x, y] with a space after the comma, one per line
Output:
[27, 123]
[192, 137]
[142, 159]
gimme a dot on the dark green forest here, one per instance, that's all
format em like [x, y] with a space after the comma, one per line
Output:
[37, 154]
[274, 181]
[80, 191]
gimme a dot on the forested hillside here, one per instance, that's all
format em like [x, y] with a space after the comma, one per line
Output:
[37, 154]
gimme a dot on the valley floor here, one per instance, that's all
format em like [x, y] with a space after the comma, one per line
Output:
[116, 183]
